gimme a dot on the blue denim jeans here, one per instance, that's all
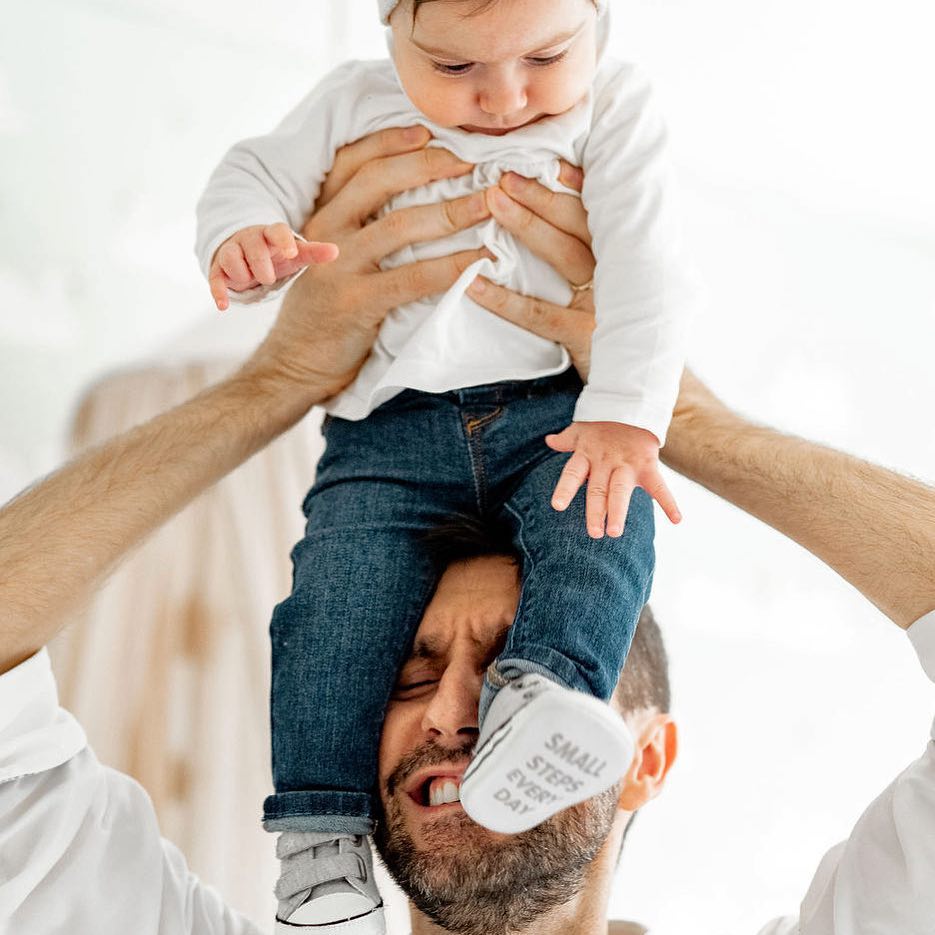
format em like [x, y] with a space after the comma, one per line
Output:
[363, 576]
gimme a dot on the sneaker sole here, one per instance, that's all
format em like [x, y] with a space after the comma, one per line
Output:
[371, 923]
[552, 754]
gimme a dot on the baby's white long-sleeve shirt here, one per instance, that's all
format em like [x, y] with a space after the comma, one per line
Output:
[644, 292]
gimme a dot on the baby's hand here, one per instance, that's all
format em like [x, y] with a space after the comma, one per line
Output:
[261, 255]
[613, 459]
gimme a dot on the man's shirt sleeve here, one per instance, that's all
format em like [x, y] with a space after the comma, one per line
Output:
[80, 848]
[882, 878]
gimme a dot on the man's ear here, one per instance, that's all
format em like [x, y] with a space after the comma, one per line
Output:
[656, 750]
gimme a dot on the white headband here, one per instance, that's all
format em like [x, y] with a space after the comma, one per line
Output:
[387, 7]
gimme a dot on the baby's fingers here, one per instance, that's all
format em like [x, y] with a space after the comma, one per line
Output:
[218, 283]
[573, 476]
[656, 487]
[281, 240]
[231, 260]
[596, 505]
[564, 440]
[313, 252]
[259, 259]
[618, 502]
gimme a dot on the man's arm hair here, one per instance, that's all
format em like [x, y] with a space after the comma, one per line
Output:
[873, 526]
[61, 537]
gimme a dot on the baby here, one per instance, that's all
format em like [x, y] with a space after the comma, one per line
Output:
[448, 417]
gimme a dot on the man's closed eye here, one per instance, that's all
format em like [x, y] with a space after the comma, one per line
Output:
[412, 687]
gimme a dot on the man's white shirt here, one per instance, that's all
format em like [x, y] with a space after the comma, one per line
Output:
[81, 852]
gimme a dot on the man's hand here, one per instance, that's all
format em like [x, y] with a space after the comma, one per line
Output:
[59, 539]
[332, 314]
[614, 459]
[554, 225]
[873, 527]
[261, 255]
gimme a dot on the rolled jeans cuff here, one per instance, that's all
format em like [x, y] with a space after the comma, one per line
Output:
[529, 660]
[343, 812]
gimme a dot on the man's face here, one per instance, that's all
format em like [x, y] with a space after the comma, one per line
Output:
[456, 872]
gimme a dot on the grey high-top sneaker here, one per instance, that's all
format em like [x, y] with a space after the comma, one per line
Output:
[542, 748]
[326, 886]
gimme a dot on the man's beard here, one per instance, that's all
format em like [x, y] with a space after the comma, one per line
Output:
[471, 882]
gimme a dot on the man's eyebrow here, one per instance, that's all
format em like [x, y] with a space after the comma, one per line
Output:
[431, 649]
[427, 648]
[556, 40]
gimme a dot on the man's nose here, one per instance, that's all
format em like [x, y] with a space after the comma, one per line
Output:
[452, 712]
[503, 93]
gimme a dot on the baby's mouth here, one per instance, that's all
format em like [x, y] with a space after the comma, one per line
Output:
[500, 131]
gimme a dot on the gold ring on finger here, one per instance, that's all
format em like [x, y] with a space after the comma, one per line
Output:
[584, 287]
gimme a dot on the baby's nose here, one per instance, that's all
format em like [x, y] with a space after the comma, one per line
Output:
[503, 97]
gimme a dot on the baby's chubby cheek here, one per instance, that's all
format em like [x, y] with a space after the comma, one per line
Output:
[443, 103]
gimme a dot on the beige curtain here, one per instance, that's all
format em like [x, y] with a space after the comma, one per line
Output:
[169, 668]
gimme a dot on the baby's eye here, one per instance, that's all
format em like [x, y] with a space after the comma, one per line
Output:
[548, 59]
[446, 69]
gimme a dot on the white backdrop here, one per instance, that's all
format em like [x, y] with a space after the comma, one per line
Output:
[804, 143]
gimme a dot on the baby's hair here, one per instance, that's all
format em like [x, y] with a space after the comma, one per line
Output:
[479, 7]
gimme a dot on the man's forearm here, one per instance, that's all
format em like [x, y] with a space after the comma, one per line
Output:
[62, 536]
[872, 526]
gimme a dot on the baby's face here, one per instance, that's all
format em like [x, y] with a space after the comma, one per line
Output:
[494, 71]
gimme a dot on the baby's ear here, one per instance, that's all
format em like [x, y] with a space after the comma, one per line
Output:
[656, 751]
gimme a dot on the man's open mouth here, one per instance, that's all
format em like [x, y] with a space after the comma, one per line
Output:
[440, 791]
[436, 789]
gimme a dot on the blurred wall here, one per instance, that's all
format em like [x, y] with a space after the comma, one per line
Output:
[112, 115]
[803, 139]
